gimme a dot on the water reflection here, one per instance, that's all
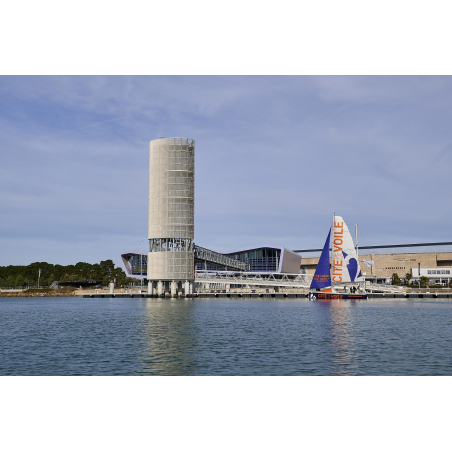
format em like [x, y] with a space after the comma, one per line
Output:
[342, 332]
[169, 338]
[335, 321]
[300, 337]
[70, 336]
[177, 332]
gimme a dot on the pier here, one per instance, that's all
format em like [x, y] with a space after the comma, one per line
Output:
[273, 295]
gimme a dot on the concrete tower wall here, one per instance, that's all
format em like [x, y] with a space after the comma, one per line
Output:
[171, 209]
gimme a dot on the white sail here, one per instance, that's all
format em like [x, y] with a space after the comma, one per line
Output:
[345, 264]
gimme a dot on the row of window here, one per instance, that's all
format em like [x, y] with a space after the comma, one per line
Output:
[263, 264]
[139, 264]
[438, 272]
[213, 267]
[256, 254]
[170, 245]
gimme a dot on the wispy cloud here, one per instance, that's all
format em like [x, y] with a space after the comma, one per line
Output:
[79, 128]
[274, 155]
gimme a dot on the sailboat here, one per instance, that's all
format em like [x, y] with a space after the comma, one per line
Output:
[341, 279]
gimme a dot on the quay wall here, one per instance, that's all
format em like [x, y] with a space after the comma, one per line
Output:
[411, 296]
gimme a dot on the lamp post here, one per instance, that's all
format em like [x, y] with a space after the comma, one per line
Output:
[419, 274]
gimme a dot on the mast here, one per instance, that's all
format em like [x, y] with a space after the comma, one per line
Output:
[331, 248]
[356, 238]
[356, 241]
[357, 258]
[141, 265]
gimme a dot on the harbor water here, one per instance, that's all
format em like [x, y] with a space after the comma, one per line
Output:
[77, 336]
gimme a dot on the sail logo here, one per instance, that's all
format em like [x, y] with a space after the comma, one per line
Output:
[322, 278]
[345, 266]
[338, 241]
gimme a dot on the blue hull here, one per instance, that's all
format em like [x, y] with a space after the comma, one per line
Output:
[325, 296]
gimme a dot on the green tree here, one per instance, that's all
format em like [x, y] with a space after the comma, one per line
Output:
[408, 276]
[96, 273]
[10, 281]
[424, 281]
[58, 271]
[32, 270]
[395, 279]
[20, 281]
[119, 275]
[107, 268]
[83, 270]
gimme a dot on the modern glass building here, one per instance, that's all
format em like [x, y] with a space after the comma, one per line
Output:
[268, 259]
[263, 259]
[135, 265]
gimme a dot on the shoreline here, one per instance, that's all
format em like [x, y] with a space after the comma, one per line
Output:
[36, 294]
[432, 296]
[236, 295]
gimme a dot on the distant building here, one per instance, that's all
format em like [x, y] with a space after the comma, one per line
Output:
[390, 259]
[171, 220]
[173, 259]
[264, 259]
[268, 259]
[438, 276]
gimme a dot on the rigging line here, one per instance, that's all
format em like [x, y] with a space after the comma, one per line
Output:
[361, 235]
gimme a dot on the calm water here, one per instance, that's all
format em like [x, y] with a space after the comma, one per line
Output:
[75, 336]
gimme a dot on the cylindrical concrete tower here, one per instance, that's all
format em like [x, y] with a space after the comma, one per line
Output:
[171, 222]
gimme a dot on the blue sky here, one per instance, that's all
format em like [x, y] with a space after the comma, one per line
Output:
[274, 157]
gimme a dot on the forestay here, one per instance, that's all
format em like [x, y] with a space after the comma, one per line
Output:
[322, 276]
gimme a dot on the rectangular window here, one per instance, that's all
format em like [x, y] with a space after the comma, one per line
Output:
[447, 272]
[429, 272]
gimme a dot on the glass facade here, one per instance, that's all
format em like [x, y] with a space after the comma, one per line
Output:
[135, 264]
[260, 259]
[252, 260]
[209, 266]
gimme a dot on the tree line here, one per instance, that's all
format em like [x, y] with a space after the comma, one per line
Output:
[424, 280]
[27, 275]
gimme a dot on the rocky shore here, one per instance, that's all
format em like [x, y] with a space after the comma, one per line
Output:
[38, 293]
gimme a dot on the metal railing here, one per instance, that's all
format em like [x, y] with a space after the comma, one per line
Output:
[206, 255]
[253, 278]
